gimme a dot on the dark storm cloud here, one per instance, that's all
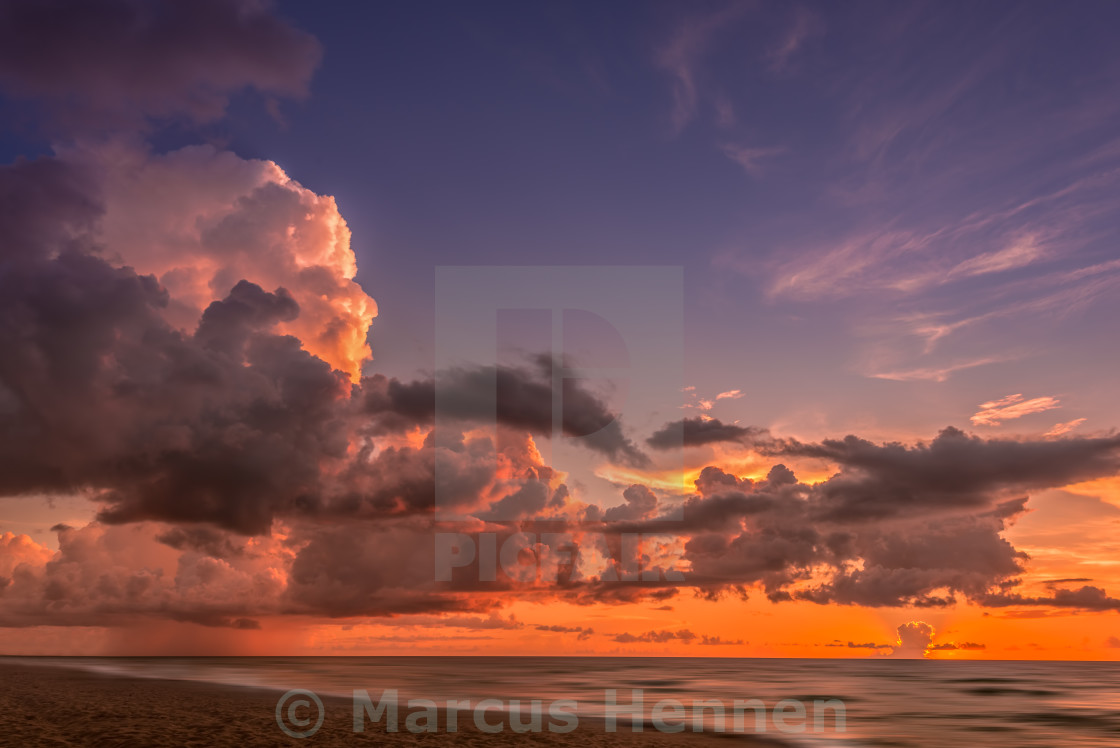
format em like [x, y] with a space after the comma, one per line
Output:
[582, 633]
[954, 470]
[694, 432]
[373, 568]
[227, 325]
[228, 426]
[203, 539]
[518, 397]
[46, 206]
[640, 503]
[873, 564]
[231, 424]
[105, 64]
[1082, 598]
[913, 525]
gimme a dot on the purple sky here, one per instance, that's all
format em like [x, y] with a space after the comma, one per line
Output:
[887, 213]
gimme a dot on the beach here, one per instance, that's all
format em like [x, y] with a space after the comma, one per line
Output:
[56, 706]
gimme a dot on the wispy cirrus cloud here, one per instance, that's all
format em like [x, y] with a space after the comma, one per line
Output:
[750, 158]
[1018, 254]
[806, 25]
[897, 258]
[1054, 295]
[995, 412]
[681, 56]
[1061, 429]
[933, 374]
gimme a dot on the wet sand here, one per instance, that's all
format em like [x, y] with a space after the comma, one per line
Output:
[53, 706]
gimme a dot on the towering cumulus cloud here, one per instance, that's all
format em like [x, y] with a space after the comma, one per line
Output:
[201, 220]
[181, 330]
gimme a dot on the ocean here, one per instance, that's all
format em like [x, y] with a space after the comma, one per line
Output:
[919, 703]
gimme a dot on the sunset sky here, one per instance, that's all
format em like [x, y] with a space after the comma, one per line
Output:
[860, 389]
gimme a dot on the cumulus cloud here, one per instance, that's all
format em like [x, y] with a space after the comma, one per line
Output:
[914, 638]
[694, 432]
[1087, 597]
[918, 525]
[641, 502]
[951, 646]
[656, 637]
[518, 397]
[177, 405]
[776, 535]
[583, 633]
[202, 220]
[110, 575]
[953, 470]
[172, 426]
[18, 554]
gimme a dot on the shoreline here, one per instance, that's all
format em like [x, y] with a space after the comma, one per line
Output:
[51, 704]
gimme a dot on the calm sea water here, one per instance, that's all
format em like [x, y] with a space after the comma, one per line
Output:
[888, 702]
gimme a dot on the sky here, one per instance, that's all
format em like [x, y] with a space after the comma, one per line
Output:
[817, 302]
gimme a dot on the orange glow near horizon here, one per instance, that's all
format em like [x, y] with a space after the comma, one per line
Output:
[1063, 549]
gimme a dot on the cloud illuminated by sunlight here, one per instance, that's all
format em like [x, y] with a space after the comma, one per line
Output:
[995, 412]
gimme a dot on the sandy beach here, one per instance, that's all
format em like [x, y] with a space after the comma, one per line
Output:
[53, 706]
